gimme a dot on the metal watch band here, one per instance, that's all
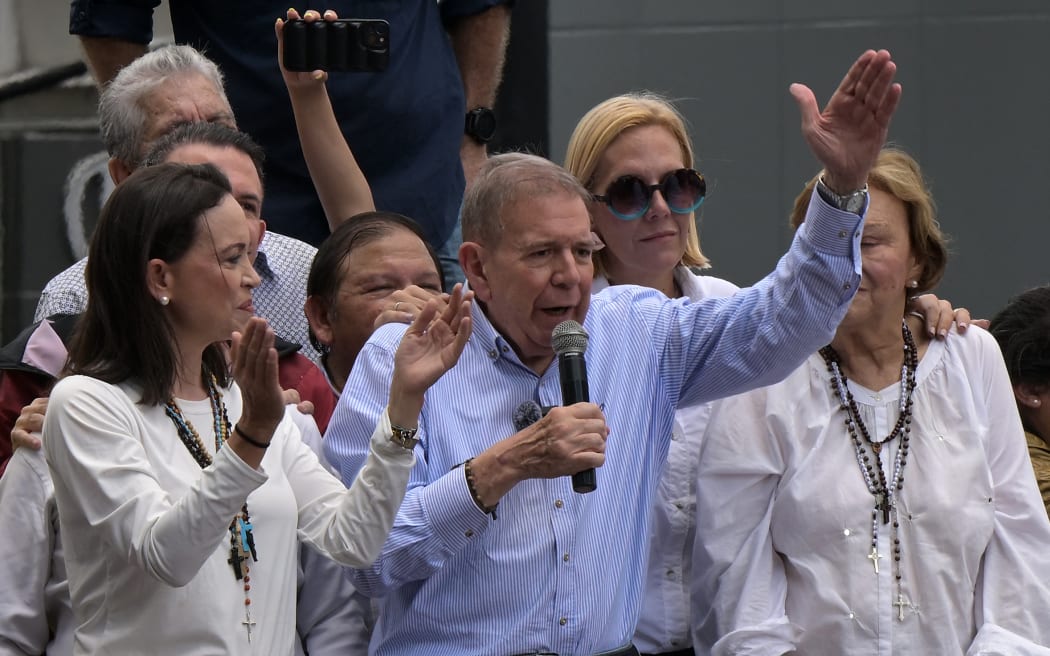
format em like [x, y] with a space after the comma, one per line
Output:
[851, 202]
[404, 437]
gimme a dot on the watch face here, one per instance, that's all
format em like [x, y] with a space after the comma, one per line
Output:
[855, 202]
[481, 124]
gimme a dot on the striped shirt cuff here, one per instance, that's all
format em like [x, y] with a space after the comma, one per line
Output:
[831, 230]
[451, 510]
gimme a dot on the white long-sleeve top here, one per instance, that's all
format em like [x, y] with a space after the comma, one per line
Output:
[664, 622]
[35, 613]
[784, 519]
[331, 617]
[146, 529]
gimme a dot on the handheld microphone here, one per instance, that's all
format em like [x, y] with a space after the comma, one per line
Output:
[569, 340]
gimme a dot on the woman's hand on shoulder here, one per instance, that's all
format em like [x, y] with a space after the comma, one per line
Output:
[29, 425]
[937, 315]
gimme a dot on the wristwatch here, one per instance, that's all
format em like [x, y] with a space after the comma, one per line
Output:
[404, 437]
[480, 124]
[851, 202]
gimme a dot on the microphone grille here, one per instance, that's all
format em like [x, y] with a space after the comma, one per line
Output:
[569, 337]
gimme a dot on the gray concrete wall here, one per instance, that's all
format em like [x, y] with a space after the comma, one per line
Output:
[974, 112]
[35, 33]
[43, 136]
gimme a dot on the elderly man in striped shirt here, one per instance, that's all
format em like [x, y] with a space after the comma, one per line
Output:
[493, 553]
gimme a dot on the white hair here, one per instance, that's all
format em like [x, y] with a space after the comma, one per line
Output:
[121, 118]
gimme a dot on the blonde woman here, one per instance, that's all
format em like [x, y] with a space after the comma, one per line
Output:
[634, 154]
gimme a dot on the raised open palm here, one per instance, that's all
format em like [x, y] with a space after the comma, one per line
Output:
[851, 130]
[433, 342]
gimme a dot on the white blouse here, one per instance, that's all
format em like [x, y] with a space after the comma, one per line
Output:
[146, 530]
[664, 621]
[35, 613]
[784, 519]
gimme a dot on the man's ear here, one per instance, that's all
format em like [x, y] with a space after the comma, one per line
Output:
[317, 317]
[472, 261]
[159, 280]
[118, 170]
[262, 233]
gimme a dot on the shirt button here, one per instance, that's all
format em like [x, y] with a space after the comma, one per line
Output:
[469, 533]
[842, 233]
[506, 348]
[680, 506]
[559, 503]
[846, 532]
[565, 557]
[493, 354]
[563, 621]
[846, 285]
[670, 573]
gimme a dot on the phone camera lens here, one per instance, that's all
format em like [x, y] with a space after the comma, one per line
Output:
[371, 37]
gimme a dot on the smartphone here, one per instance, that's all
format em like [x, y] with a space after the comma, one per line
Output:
[347, 44]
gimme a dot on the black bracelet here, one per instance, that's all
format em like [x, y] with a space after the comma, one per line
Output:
[469, 473]
[250, 440]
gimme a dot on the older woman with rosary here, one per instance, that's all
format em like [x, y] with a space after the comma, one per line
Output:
[181, 492]
[809, 541]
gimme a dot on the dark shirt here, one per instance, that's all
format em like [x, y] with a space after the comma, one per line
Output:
[404, 125]
[20, 381]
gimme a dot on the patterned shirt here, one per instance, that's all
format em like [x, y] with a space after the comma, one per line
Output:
[283, 266]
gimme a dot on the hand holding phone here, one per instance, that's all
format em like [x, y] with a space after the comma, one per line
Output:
[345, 44]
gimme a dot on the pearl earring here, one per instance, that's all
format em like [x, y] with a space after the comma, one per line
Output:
[164, 300]
[1036, 402]
[913, 284]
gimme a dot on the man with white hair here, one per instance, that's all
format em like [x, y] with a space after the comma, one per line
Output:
[146, 100]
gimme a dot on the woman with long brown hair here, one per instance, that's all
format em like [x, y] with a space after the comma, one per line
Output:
[180, 484]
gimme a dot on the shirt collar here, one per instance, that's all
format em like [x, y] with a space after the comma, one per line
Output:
[328, 376]
[45, 350]
[262, 264]
[688, 282]
[485, 336]
[683, 276]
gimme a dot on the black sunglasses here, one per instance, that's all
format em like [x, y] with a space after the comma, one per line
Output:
[628, 197]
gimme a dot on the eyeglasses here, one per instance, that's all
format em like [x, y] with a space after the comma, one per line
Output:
[628, 197]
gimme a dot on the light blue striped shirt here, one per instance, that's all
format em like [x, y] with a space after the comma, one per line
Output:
[558, 571]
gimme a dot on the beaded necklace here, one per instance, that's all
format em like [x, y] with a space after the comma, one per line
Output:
[884, 492]
[242, 541]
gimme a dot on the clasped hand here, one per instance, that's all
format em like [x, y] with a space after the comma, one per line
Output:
[566, 441]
